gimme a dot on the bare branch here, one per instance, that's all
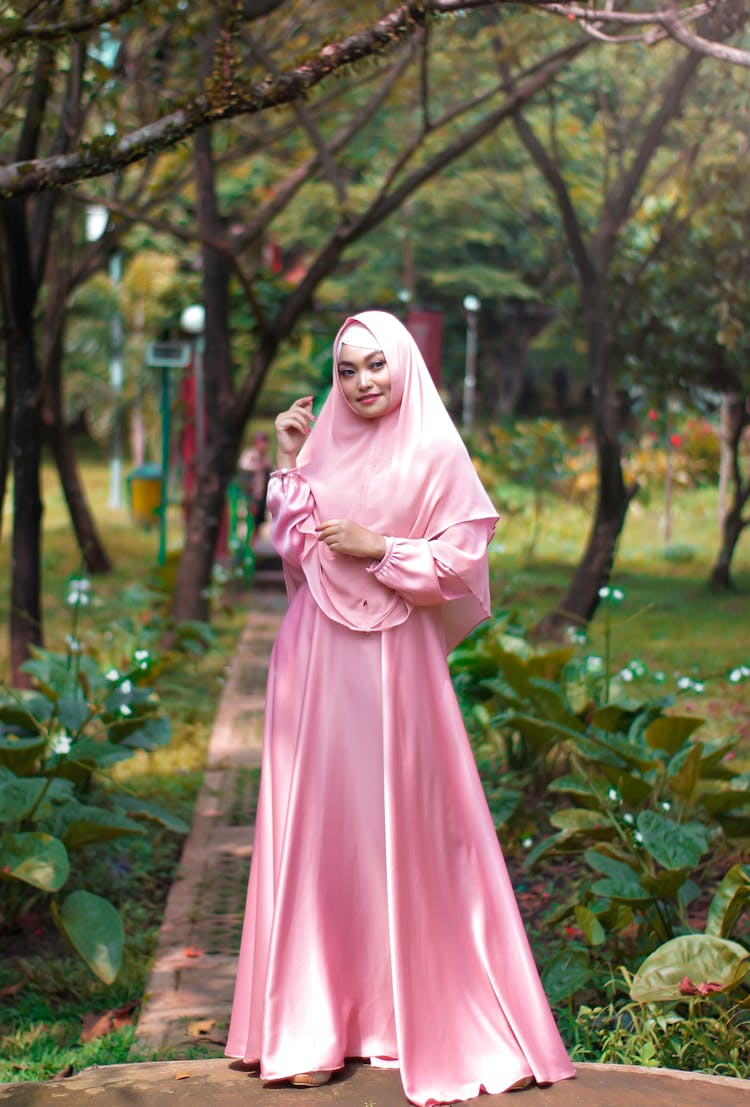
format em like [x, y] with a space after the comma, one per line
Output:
[23, 31]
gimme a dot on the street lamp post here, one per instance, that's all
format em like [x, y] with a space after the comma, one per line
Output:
[193, 322]
[471, 306]
[97, 218]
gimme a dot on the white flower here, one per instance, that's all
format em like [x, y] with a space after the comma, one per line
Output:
[684, 682]
[594, 664]
[618, 594]
[126, 686]
[626, 675]
[527, 843]
[73, 644]
[613, 794]
[659, 676]
[628, 818]
[125, 710]
[112, 674]
[61, 743]
[666, 805]
[638, 837]
[735, 676]
[141, 655]
[603, 593]
[698, 686]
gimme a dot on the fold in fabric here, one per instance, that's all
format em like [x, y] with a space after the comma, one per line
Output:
[380, 919]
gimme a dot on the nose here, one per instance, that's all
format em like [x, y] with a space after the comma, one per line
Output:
[363, 380]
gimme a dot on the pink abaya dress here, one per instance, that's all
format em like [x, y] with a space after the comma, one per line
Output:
[380, 918]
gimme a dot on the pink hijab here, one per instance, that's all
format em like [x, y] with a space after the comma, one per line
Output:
[404, 475]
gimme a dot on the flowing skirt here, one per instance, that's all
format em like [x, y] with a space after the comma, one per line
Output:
[380, 919]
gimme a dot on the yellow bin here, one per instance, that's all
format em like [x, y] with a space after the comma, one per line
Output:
[144, 488]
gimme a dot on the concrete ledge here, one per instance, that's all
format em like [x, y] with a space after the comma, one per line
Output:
[221, 1083]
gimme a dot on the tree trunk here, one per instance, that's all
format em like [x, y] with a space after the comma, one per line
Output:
[216, 457]
[737, 410]
[58, 435]
[7, 414]
[581, 600]
[25, 606]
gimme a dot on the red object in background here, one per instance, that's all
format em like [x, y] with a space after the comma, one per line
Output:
[426, 328]
[188, 452]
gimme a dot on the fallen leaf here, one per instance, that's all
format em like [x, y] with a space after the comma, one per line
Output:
[192, 951]
[182, 1076]
[200, 1026]
[96, 1026]
[63, 1074]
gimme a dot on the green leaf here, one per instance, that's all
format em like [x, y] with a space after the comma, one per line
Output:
[20, 754]
[85, 824]
[18, 795]
[621, 881]
[630, 752]
[541, 733]
[718, 798]
[684, 770]
[549, 665]
[566, 973]
[666, 883]
[669, 732]
[72, 711]
[34, 858]
[143, 809]
[730, 900]
[590, 925]
[673, 845]
[697, 959]
[146, 734]
[94, 929]
[580, 819]
[609, 718]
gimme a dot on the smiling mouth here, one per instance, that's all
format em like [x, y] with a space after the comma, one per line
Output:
[368, 398]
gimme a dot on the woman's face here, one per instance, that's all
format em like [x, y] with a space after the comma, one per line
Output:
[365, 381]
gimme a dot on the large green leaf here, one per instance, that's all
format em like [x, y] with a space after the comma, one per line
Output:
[18, 794]
[730, 899]
[621, 881]
[633, 788]
[691, 962]
[85, 824]
[143, 734]
[718, 797]
[674, 845]
[668, 732]
[666, 883]
[20, 753]
[144, 809]
[73, 711]
[565, 973]
[34, 858]
[582, 820]
[94, 929]
[630, 752]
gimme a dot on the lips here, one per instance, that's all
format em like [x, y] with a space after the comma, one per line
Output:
[369, 398]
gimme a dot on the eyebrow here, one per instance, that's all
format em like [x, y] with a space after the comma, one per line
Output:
[351, 365]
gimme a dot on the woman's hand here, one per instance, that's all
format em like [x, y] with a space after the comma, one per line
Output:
[292, 428]
[344, 536]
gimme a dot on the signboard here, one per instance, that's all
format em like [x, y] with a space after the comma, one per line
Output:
[168, 355]
[426, 328]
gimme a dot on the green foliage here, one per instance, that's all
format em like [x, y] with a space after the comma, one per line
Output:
[700, 1038]
[633, 793]
[56, 745]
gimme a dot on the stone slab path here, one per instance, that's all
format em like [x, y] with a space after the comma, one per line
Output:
[192, 978]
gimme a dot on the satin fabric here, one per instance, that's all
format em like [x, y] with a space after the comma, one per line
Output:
[380, 920]
[404, 475]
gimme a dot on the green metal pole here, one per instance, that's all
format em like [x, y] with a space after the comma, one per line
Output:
[165, 437]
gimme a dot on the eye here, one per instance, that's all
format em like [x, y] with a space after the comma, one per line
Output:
[375, 366]
[346, 372]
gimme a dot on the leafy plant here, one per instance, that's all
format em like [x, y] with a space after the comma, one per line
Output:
[55, 743]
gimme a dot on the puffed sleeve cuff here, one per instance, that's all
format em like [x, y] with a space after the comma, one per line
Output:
[389, 547]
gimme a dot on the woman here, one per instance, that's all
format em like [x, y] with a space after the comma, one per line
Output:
[380, 920]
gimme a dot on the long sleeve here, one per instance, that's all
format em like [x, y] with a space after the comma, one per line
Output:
[437, 570]
[291, 504]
